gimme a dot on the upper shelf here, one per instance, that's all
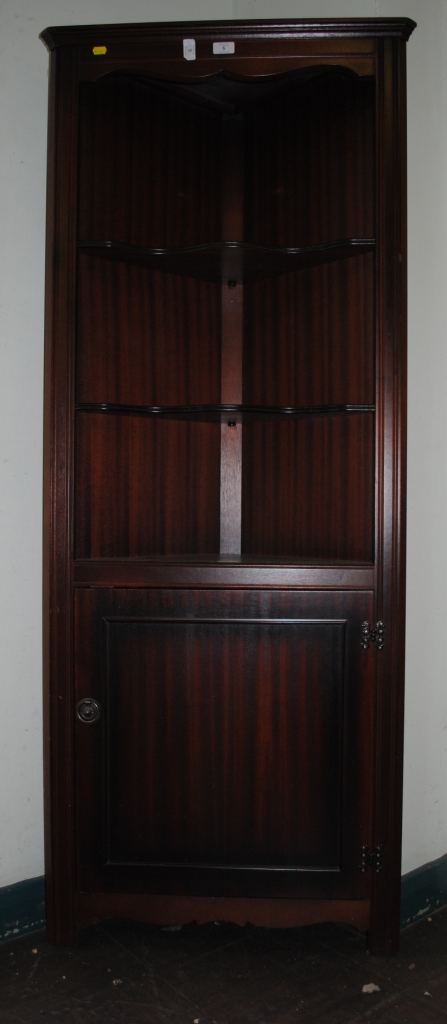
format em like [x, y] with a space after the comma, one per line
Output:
[223, 413]
[229, 261]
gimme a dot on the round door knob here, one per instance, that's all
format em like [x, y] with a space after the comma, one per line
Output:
[88, 710]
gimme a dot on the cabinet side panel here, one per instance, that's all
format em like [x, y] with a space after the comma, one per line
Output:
[60, 271]
[391, 463]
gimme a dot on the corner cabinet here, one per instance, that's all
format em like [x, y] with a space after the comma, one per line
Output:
[225, 385]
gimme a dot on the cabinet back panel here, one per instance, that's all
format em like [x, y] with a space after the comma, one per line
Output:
[308, 488]
[149, 166]
[145, 487]
[309, 337]
[145, 337]
[234, 733]
[309, 163]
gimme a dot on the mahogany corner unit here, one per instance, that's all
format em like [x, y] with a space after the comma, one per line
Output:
[224, 474]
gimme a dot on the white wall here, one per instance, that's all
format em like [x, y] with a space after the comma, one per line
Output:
[23, 105]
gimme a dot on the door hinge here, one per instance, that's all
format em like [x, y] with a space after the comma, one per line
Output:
[371, 858]
[375, 636]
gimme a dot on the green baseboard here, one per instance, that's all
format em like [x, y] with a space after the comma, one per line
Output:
[423, 891]
[22, 906]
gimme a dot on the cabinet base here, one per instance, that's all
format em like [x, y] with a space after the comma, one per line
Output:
[268, 913]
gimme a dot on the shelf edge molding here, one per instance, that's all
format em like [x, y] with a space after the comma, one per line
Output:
[219, 261]
[221, 413]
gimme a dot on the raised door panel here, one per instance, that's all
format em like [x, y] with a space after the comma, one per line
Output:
[227, 759]
[215, 716]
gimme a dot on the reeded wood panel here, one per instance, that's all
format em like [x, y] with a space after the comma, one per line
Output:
[310, 163]
[145, 337]
[149, 166]
[188, 704]
[309, 336]
[145, 486]
[308, 487]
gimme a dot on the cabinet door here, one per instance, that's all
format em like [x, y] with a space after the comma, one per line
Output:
[233, 752]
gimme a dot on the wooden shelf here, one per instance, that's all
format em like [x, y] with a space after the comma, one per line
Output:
[223, 570]
[223, 413]
[225, 261]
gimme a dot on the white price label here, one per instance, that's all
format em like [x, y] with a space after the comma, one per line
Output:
[223, 47]
[189, 49]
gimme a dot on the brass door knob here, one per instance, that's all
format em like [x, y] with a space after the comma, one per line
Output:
[88, 710]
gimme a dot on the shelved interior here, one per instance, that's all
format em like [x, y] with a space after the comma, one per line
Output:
[225, 318]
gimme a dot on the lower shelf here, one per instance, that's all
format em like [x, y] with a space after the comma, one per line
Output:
[222, 570]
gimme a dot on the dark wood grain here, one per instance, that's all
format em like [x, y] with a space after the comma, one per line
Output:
[232, 142]
[249, 721]
[230, 719]
[142, 155]
[231, 392]
[232, 342]
[230, 487]
[225, 570]
[308, 488]
[231, 430]
[359, 63]
[391, 468]
[57, 568]
[283, 35]
[309, 337]
[188, 705]
[232, 332]
[145, 337]
[145, 486]
[266, 912]
[320, 135]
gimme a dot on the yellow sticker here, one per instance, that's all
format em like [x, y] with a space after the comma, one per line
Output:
[99, 50]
